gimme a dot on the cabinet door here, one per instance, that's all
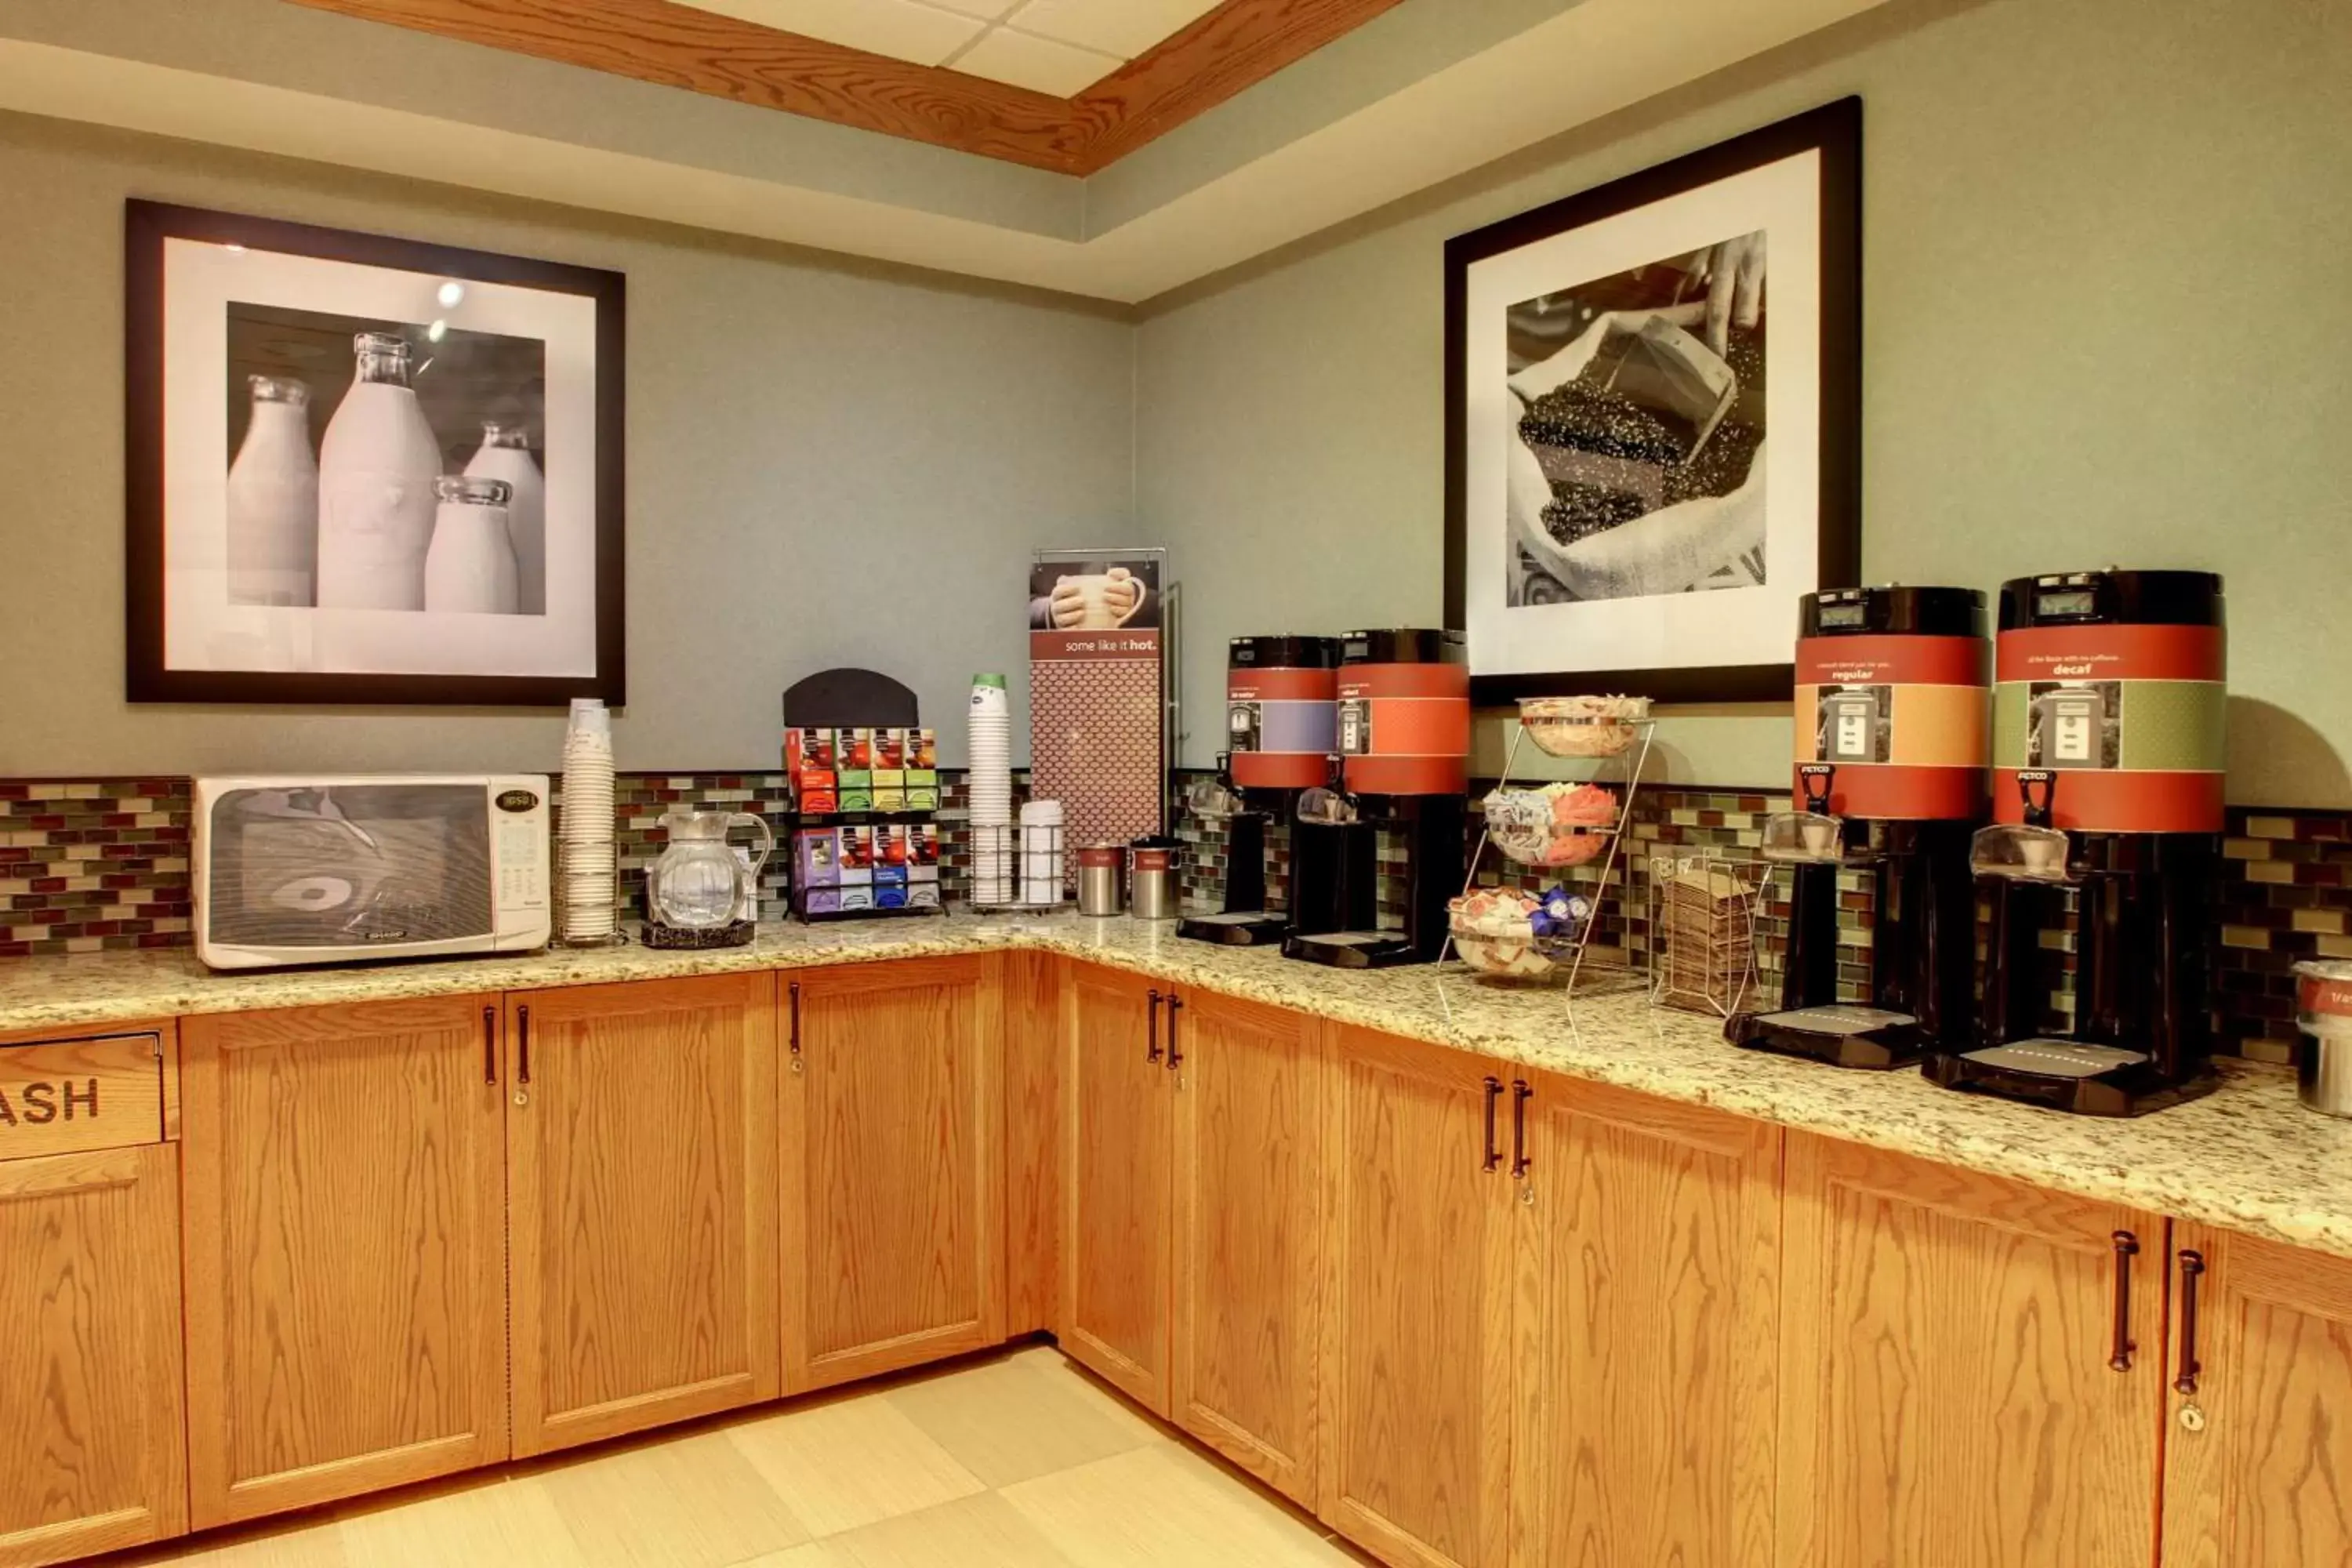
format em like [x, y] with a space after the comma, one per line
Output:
[1120, 1105]
[1947, 1395]
[89, 1364]
[1249, 1235]
[1417, 1395]
[892, 1194]
[1033, 1142]
[2262, 1473]
[641, 1184]
[1648, 1330]
[346, 1251]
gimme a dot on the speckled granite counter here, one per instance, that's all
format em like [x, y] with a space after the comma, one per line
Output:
[2247, 1157]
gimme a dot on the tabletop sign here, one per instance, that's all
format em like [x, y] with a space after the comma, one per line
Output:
[76, 1095]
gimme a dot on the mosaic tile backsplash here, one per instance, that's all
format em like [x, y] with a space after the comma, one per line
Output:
[87, 865]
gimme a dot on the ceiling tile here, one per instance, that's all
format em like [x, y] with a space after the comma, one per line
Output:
[903, 29]
[1122, 27]
[1041, 64]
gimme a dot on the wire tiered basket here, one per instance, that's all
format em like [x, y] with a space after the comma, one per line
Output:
[1571, 832]
[1705, 906]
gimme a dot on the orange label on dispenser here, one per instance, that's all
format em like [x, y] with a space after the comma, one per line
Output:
[2110, 653]
[2330, 998]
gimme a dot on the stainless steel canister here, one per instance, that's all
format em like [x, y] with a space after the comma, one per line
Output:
[1152, 882]
[1099, 866]
[2322, 1010]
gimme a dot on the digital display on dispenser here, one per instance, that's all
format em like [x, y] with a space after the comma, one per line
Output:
[2070, 602]
[1837, 617]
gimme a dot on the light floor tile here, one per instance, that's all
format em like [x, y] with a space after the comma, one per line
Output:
[512, 1522]
[850, 1463]
[984, 1531]
[1163, 1507]
[687, 1502]
[1028, 1415]
[309, 1541]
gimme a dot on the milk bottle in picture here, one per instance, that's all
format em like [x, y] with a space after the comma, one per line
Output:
[273, 499]
[506, 455]
[470, 566]
[377, 470]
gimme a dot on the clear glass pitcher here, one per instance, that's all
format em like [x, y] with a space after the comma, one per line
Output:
[699, 883]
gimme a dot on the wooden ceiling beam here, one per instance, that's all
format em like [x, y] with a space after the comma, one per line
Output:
[1233, 48]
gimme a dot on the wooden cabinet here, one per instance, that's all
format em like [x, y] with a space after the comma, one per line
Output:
[641, 1182]
[1033, 1142]
[1249, 1234]
[893, 1173]
[90, 1372]
[1417, 1351]
[1119, 1142]
[1646, 1330]
[2258, 1456]
[346, 1251]
[1951, 1393]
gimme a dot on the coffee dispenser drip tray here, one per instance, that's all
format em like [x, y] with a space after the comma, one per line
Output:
[1846, 1034]
[2076, 1076]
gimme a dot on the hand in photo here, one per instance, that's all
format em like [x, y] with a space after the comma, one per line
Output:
[1735, 287]
[1096, 603]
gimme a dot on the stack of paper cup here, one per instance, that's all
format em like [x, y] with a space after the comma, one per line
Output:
[585, 861]
[992, 791]
[1041, 852]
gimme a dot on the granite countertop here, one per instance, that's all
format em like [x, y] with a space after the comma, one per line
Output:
[2248, 1156]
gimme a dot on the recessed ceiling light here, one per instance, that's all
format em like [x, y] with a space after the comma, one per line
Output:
[438, 330]
[450, 294]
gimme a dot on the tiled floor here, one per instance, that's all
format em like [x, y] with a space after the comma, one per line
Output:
[1019, 1461]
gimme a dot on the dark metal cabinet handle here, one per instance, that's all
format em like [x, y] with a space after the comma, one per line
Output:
[1520, 1095]
[1493, 1093]
[522, 1045]
[794, 1000]
[2126, 1248]
[489, 1045]
[2193, 1271]
[1175, 1051]
[1152, 1055]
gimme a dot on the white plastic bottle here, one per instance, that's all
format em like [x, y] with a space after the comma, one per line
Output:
[506, 455]
[376, 469]
[273, 499]
[470, 566]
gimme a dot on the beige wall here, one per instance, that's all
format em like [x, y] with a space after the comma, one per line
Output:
[828, 463]
[2106, 322]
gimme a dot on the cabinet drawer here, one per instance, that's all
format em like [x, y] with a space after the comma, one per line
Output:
[68, 1097]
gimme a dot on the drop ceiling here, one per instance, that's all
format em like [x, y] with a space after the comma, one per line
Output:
[1192, 157]
[1057, 46]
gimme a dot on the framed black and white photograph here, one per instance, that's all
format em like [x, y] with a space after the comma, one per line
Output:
[1654, 421]
[368, 470]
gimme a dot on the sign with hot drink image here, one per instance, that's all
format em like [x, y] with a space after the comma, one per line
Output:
[364, 469]
[1097, 713]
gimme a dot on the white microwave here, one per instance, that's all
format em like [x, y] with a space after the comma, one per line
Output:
[328, 871]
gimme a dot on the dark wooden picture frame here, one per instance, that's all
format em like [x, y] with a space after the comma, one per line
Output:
[147, 227]
[1834, 130]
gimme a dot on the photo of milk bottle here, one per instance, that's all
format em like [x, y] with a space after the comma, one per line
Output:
[273, 498]
[505, 456]
[376, 501]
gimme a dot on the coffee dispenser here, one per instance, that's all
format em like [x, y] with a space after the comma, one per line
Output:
[1281, 726]
[2107, 788]
[1404, 767]
[1891, 750]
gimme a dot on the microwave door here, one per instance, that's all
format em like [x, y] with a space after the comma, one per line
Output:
[353, 866]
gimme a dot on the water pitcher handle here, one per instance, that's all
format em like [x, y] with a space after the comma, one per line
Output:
[767, 837]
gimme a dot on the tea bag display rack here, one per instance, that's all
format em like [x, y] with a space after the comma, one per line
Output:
[851, 857]
[1617, 750]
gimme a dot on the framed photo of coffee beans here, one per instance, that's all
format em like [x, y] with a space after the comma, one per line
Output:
[1653, 411]
[368, 470]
